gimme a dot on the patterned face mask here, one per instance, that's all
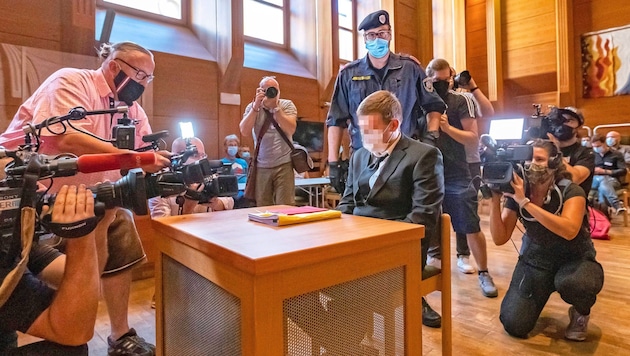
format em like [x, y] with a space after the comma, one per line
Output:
[538, 174]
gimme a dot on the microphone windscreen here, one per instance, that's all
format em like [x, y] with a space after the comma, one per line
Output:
[101, 162]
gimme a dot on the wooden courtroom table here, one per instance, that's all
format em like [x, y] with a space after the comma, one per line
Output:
[223, 283]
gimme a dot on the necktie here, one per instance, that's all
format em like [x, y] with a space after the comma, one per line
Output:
[367, 173]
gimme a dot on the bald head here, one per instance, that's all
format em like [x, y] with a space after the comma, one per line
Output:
[179, 145]
[613, 138]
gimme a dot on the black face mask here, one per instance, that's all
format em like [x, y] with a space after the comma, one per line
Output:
[441, 87]
[564, 132]
[128, 90]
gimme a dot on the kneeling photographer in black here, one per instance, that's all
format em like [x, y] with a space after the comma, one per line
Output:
[61, 311]
[579, 160]
[557, 253]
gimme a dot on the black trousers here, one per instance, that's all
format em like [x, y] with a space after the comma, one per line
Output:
[578, 281]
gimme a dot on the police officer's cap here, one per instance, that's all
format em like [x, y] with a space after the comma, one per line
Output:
[374, 20]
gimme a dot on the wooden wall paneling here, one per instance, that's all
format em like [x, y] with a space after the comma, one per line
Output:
[185, 89]
[425, 35]
[304, 34]
[406, 29]
[529, 61]
[32, 23]
[565, 50]
[328, 48]
[476, 43]
[208, 32]
[517, 10]
[528, 33]
[522, 105]
[77, 26]
[231, 50]
[475, 16]
[496, 71]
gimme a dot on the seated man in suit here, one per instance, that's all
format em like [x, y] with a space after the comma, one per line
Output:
[391, 177]
[394, 177]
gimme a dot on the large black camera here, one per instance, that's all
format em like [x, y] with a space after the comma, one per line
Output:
[461, 79]
[499, 168]
[553, 123]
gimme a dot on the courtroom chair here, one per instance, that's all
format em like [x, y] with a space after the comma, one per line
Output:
[331, 198]
[433, 279]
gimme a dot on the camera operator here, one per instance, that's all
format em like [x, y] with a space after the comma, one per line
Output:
[60, 309]
[579, 160]
[161, 207]
[125, 71]
[557, 253]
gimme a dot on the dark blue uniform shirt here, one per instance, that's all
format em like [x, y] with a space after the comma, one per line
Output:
[401, 76]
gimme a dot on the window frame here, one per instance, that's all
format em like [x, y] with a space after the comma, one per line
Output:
[352, 31]
[286, 27]
[184, 21]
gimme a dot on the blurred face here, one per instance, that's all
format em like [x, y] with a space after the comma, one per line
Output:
[376, 133]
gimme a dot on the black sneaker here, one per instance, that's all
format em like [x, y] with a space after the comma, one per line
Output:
[430, 317]
[130, 344]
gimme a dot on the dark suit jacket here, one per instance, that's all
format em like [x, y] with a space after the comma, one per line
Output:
[410, 186]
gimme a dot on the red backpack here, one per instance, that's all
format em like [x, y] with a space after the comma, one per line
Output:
[600, 225]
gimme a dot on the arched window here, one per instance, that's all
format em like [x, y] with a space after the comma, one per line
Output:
[265, 20]
[161, 10]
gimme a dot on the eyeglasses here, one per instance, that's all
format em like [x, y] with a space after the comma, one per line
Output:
[371, 36]
[140, 74]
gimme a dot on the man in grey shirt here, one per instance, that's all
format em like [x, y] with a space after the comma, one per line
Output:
[274, 171]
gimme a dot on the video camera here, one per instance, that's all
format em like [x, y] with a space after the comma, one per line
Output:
[200, 180]
[500, 164]
[552, 122]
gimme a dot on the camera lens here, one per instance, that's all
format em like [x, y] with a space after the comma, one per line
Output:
[462, 78]
[271, 92]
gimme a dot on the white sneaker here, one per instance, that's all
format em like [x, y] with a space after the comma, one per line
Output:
[463, 264]
[434, 261]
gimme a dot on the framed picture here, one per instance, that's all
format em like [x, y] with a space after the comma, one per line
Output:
[606, 62]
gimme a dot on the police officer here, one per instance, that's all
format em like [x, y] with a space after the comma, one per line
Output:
[380, 69]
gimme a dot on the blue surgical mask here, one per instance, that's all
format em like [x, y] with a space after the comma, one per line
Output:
[232, 150]
[377, 48]
[611, 141]
[599, 149]
[245, 154]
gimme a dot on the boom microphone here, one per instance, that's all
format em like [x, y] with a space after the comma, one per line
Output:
[100, 162]
[89, 163]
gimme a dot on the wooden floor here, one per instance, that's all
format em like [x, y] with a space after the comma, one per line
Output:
[476, 326]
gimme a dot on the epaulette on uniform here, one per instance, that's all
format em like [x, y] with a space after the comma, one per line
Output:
[351, 64]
